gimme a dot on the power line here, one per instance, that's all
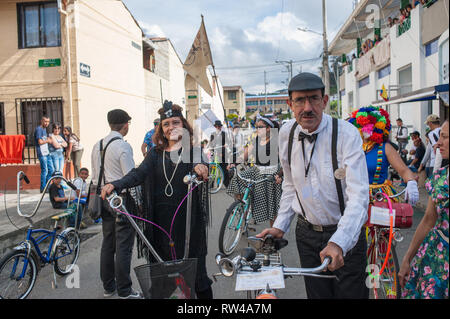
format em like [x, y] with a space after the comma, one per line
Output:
[263, 65]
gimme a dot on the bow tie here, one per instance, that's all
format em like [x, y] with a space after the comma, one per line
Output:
[310, 138]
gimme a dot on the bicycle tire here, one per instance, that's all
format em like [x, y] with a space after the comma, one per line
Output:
[6, 282]
[224, 248]
[67, 245]
[215, 183]
[388, 285]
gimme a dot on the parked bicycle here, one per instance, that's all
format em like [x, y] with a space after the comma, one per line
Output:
[20, 266]
[379, 252]
[216, 174]
[259, 270]
[237, 217]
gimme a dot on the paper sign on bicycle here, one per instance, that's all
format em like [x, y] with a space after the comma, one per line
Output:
[259, 280]
[380, 216]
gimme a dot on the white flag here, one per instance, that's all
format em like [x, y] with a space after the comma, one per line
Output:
[199, 58]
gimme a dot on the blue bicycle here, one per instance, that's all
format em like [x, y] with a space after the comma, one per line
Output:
[19, 268]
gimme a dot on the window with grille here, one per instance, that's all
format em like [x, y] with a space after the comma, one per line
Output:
[2, 119]
[32, 111]
[38, 24]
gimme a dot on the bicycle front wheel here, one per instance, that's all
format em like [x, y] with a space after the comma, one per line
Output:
[18, 273]
[387, 285]
[233, 225]
[215, 178]
[67, 249]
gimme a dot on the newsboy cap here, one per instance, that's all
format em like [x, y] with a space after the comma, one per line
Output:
[118, 116]
[305, 82]
[218, 123]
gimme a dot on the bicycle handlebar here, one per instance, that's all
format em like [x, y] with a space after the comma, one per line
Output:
[21, 175]
[270, 178]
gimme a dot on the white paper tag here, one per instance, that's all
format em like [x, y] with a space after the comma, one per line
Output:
[380, 216]
[259, 280]
[44, 149]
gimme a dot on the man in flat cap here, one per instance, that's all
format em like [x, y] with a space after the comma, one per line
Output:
[326, 187]
[118, 234]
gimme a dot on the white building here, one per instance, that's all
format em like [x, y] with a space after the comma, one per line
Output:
[410, 62]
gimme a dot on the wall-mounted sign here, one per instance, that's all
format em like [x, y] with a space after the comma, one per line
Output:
[85, 70]
[192, 96]
[137, 46]
[47, 63]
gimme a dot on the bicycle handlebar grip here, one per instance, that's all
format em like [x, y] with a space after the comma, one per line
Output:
[71, 186]
[25, 178]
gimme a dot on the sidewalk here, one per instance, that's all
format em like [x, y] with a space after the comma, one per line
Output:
[11, 235]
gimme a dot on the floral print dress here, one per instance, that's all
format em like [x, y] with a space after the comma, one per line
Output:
[429, 270]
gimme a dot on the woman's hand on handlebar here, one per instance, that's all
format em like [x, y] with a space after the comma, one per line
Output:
[202, 171]
[106, 190]
[275, 232]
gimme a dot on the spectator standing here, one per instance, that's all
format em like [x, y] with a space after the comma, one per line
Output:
[56, 147]
[118, 234]
[433, 123]
[74, 150]
[401, 137]
[426, 163]
[148, 142]
[42, 141]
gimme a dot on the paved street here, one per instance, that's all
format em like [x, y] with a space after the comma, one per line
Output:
[88, 263]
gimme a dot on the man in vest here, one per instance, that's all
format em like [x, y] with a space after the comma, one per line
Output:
[326, 189]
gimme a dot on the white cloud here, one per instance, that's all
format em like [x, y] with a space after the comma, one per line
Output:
[152, 30]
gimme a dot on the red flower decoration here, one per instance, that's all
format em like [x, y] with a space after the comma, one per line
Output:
[362, 121]
[372, 119]
[377, 138]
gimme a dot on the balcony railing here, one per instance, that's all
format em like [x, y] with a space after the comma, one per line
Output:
[405, 26]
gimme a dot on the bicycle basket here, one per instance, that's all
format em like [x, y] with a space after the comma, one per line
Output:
[168, 280]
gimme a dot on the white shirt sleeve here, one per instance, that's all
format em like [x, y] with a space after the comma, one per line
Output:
[126, 159]
[427, 155]
[285, 212]
[357, 191]
[403, 132]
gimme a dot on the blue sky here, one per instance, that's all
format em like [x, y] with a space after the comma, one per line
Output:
[246, 33]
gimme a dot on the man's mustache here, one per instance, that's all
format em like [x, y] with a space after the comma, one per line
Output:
[308, 114]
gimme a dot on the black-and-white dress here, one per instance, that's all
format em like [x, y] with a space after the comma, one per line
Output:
[265, 196]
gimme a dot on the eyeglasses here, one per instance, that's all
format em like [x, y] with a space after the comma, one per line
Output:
[313, 100]
[260, 126]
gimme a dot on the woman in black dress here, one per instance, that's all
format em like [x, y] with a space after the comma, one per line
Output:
[161, 175]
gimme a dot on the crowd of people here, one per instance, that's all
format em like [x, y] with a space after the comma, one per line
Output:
[325, 171]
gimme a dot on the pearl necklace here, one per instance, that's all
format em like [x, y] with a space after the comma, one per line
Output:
[169, 185]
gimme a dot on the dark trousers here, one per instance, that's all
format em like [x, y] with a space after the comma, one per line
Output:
[352, 276]
[116, 253]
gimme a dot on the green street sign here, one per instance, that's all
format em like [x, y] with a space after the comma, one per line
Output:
[192, 96]
[47, 63]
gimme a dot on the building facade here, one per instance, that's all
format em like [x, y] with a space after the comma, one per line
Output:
[76, 65]
[234, 100]
[410, 62]
[275, 103]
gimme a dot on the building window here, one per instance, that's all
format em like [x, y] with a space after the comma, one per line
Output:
[384, 72]
[405, 80]
[232, 95]
[149, 60]
[432, 47]
[364, 82]
[38, 25]
[32, 111]
[251, 103]
[350, 100]
[2, 119]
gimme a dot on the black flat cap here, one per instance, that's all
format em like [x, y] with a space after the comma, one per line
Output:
[118, 116]
[218, 123]
[305, 82]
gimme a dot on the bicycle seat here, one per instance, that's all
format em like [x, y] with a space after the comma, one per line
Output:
[62, 215]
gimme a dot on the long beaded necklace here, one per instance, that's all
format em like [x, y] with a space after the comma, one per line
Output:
[169, 185]
[376, 176]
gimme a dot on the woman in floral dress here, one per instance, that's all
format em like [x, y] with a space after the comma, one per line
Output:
[424, 270]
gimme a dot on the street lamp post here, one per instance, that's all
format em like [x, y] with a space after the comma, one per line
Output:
[325, 68]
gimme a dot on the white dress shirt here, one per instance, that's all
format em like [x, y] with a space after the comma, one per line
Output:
[118, 159]
[317, 192]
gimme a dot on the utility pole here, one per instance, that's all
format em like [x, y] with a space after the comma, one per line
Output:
[288, 66]
[325, 70]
